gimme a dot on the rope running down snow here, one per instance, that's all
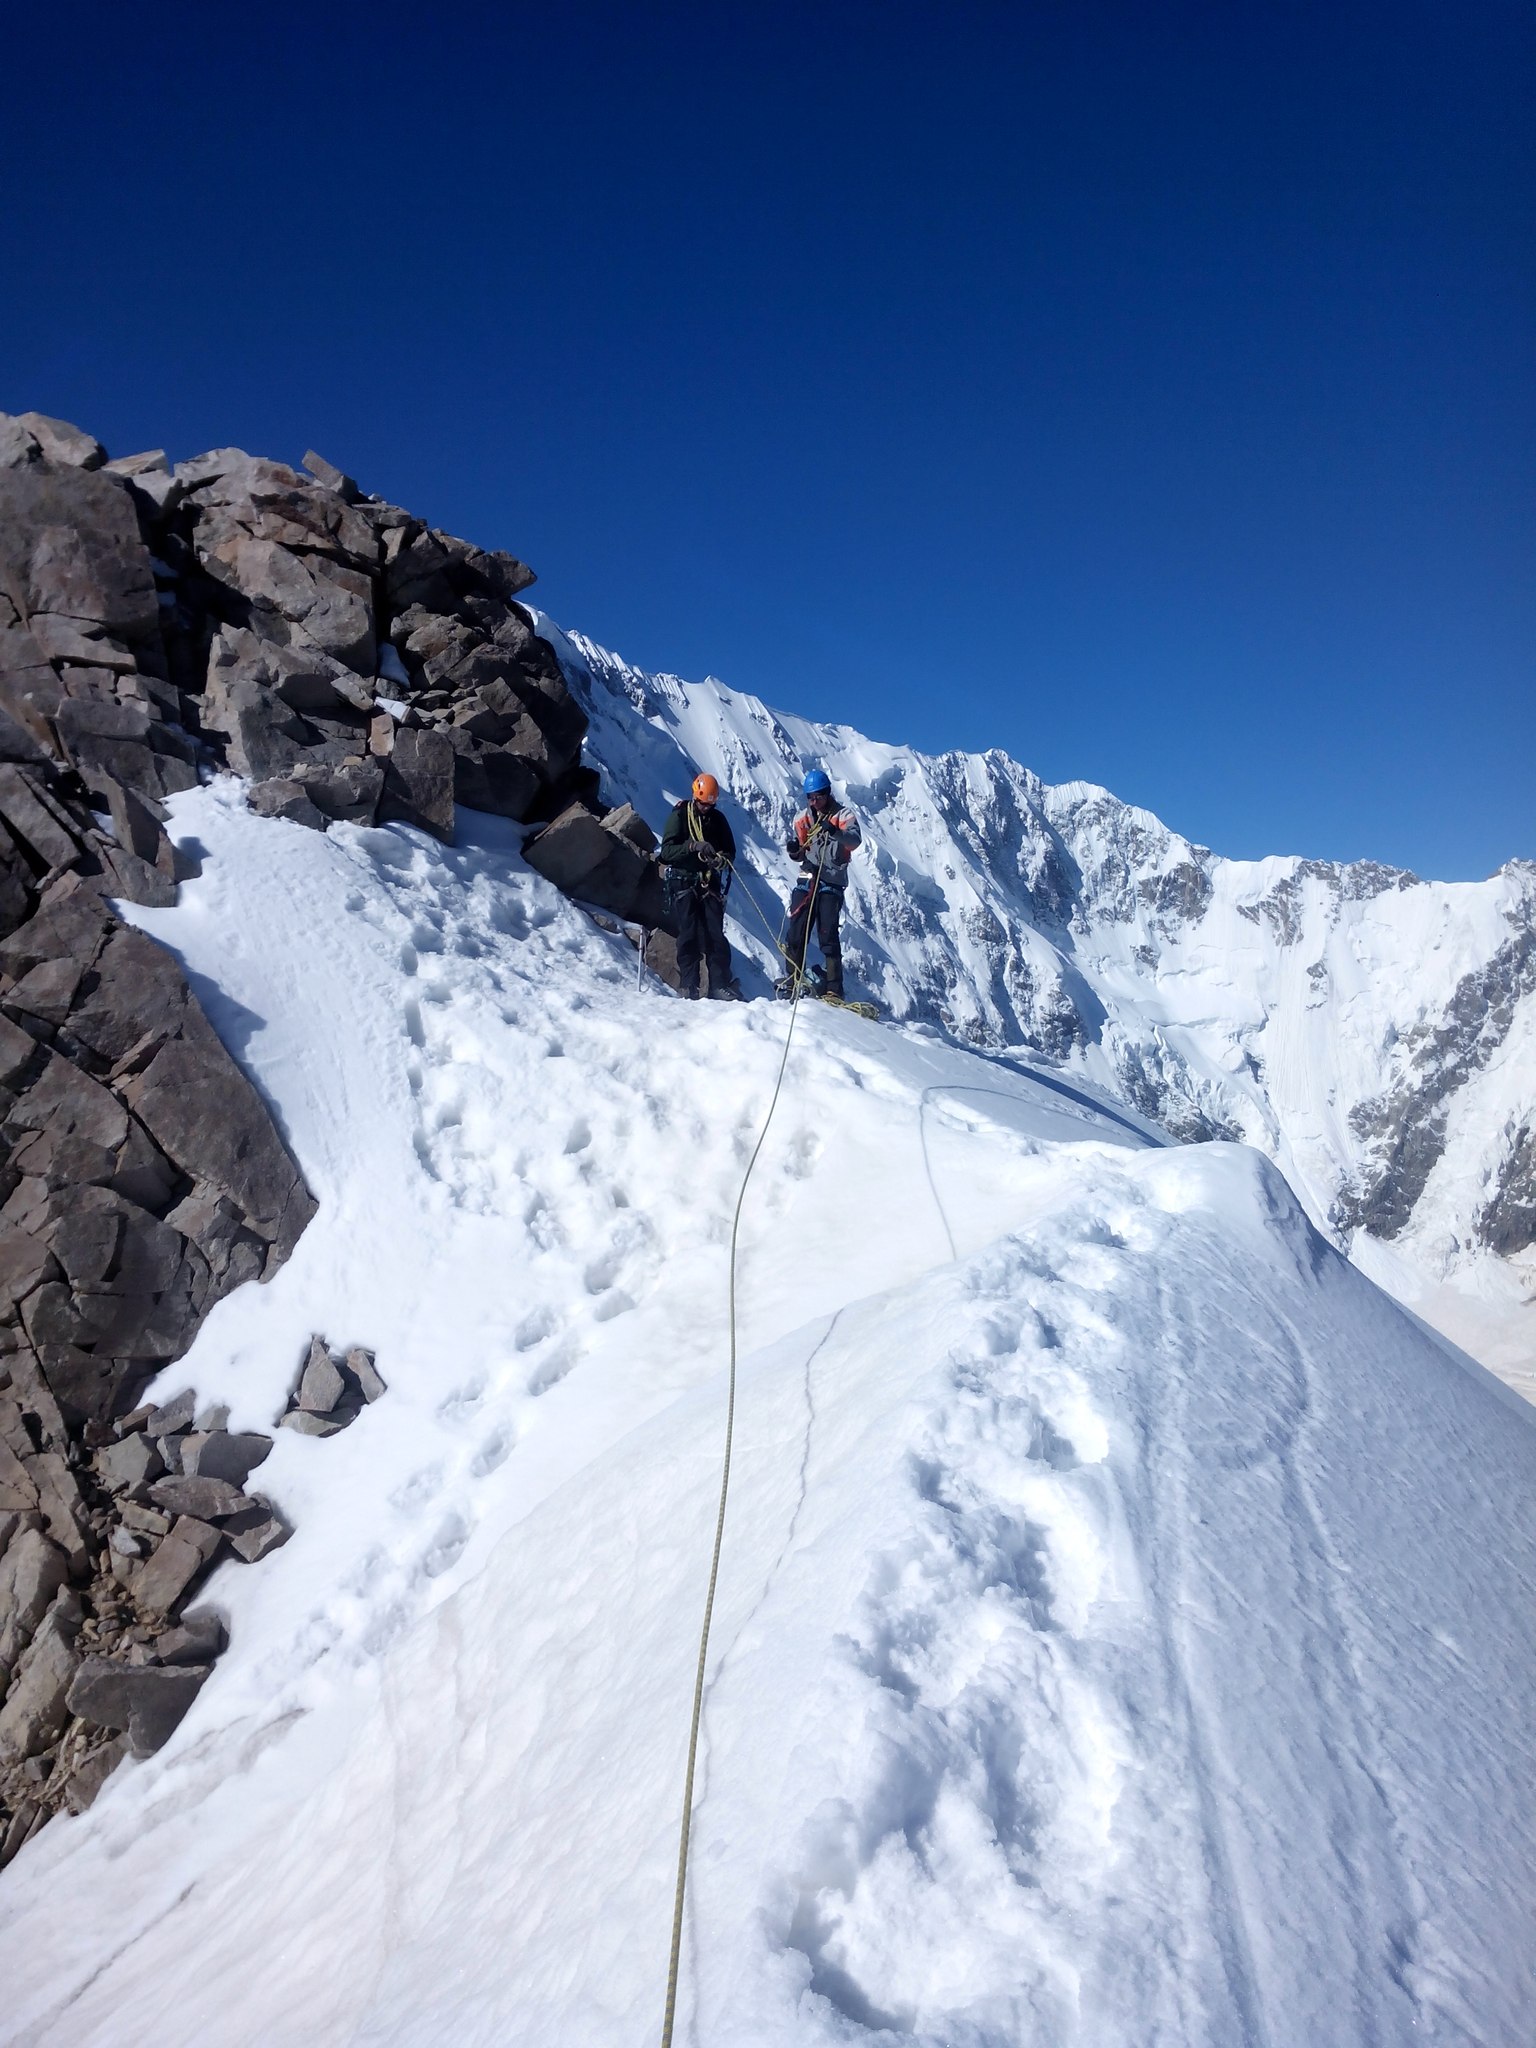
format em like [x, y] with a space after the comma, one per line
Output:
[725, 1487]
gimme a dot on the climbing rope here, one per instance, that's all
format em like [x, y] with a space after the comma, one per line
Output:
[725, 1487]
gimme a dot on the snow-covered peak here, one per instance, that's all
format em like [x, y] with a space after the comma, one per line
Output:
[1374, 1033]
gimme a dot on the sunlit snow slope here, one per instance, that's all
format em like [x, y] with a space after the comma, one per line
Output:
[1123, 1635]
[1373, 1034]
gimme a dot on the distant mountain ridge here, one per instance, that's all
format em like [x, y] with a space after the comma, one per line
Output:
[1373, 1033]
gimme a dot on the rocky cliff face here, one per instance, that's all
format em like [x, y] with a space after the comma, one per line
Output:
[1373, 1033]
[158, 625]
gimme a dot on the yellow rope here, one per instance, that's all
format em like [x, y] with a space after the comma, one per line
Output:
[725, 1486]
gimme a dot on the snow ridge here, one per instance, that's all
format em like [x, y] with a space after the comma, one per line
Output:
[1374, 1034]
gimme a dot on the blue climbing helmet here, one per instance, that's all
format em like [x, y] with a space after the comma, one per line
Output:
[816, 780]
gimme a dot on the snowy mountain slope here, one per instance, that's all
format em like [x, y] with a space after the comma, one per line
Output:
[1121, 1636]
[1375, 1035]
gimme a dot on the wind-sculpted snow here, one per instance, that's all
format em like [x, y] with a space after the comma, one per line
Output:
[1374, 1034]
[1122, 1630]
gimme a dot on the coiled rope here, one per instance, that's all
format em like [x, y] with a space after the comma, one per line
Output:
[725, 1487]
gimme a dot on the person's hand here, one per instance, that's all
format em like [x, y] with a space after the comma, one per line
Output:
[792, 847]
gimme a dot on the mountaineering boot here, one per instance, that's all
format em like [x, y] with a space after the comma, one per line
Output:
[728, 992]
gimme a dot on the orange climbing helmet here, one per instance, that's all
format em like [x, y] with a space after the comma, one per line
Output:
[705, 790]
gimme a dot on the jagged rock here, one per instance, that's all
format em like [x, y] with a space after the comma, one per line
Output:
[224, 1454]
[147, 1701]
[304, 1424]
[627, 823]
[130, 1465]
[321, 1386]
[256, 1530]
[359, 1363]
[33, 817]
[60, 1504]
[172, 1416]
[87, 1778]
[347, 791]
[34, 1712]
[205, 1498]
[33, 437]
[209, 1121]
[32, 1569]
[419, 781]
[328, 474]
[162, 1581]
[198, 1639]
[284, 798]
[112, 744]
[596, 866]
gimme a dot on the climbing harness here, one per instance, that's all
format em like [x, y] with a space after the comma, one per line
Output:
[714, 1563]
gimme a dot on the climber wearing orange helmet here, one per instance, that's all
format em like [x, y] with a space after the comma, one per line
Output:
[697, 849]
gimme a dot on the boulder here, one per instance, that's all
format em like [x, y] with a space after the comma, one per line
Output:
[333, 478]
[321, 1386]
[596, 866]
[163, 1580]
[198, 1639]
[208, 1120]
[87, 1778]
[419, 779]
[284, 798]
[34, 1714]
[32, 1569]
[71, 551]
[255, 1531]
[224, 1454]
[207, 1499]
[129, 1466]
[33, 437]
[146, 1701]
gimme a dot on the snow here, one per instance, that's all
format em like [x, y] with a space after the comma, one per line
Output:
[1123, 1629]
[1281, 1001]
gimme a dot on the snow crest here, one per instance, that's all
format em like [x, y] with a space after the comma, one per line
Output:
[1374, 1034]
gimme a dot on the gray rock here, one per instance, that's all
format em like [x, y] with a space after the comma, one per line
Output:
[627, 823]
[359, 1363]
[598, 867]
[147, 1701]
[257, 1530]
[162, 1581]
[284, 798]
[419, 781]
[173, 1415]
[87, 1778]
[57, 440]
[129, 1466]
[209, 1500]
[333, 478]
[32, 1569]
[321, 1386]
[302, 1423]
[26, 809]
[34, 1714]
[347, 791]
[224, 1454]
[199, 1639]
[62, 1508]
[208, 1120]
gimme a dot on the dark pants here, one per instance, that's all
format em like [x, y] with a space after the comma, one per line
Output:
[828, 910]
[700, 917]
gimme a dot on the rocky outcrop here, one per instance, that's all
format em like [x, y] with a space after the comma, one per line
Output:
[141, 1176]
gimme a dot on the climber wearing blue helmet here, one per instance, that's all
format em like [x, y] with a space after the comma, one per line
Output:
[822, 839]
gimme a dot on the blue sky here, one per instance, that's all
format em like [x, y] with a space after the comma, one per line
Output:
[1146, 390]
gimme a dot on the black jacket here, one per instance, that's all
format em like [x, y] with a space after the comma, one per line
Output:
[679, 850]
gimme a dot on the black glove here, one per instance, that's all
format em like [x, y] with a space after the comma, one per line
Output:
[792, 847]
[710, 857]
